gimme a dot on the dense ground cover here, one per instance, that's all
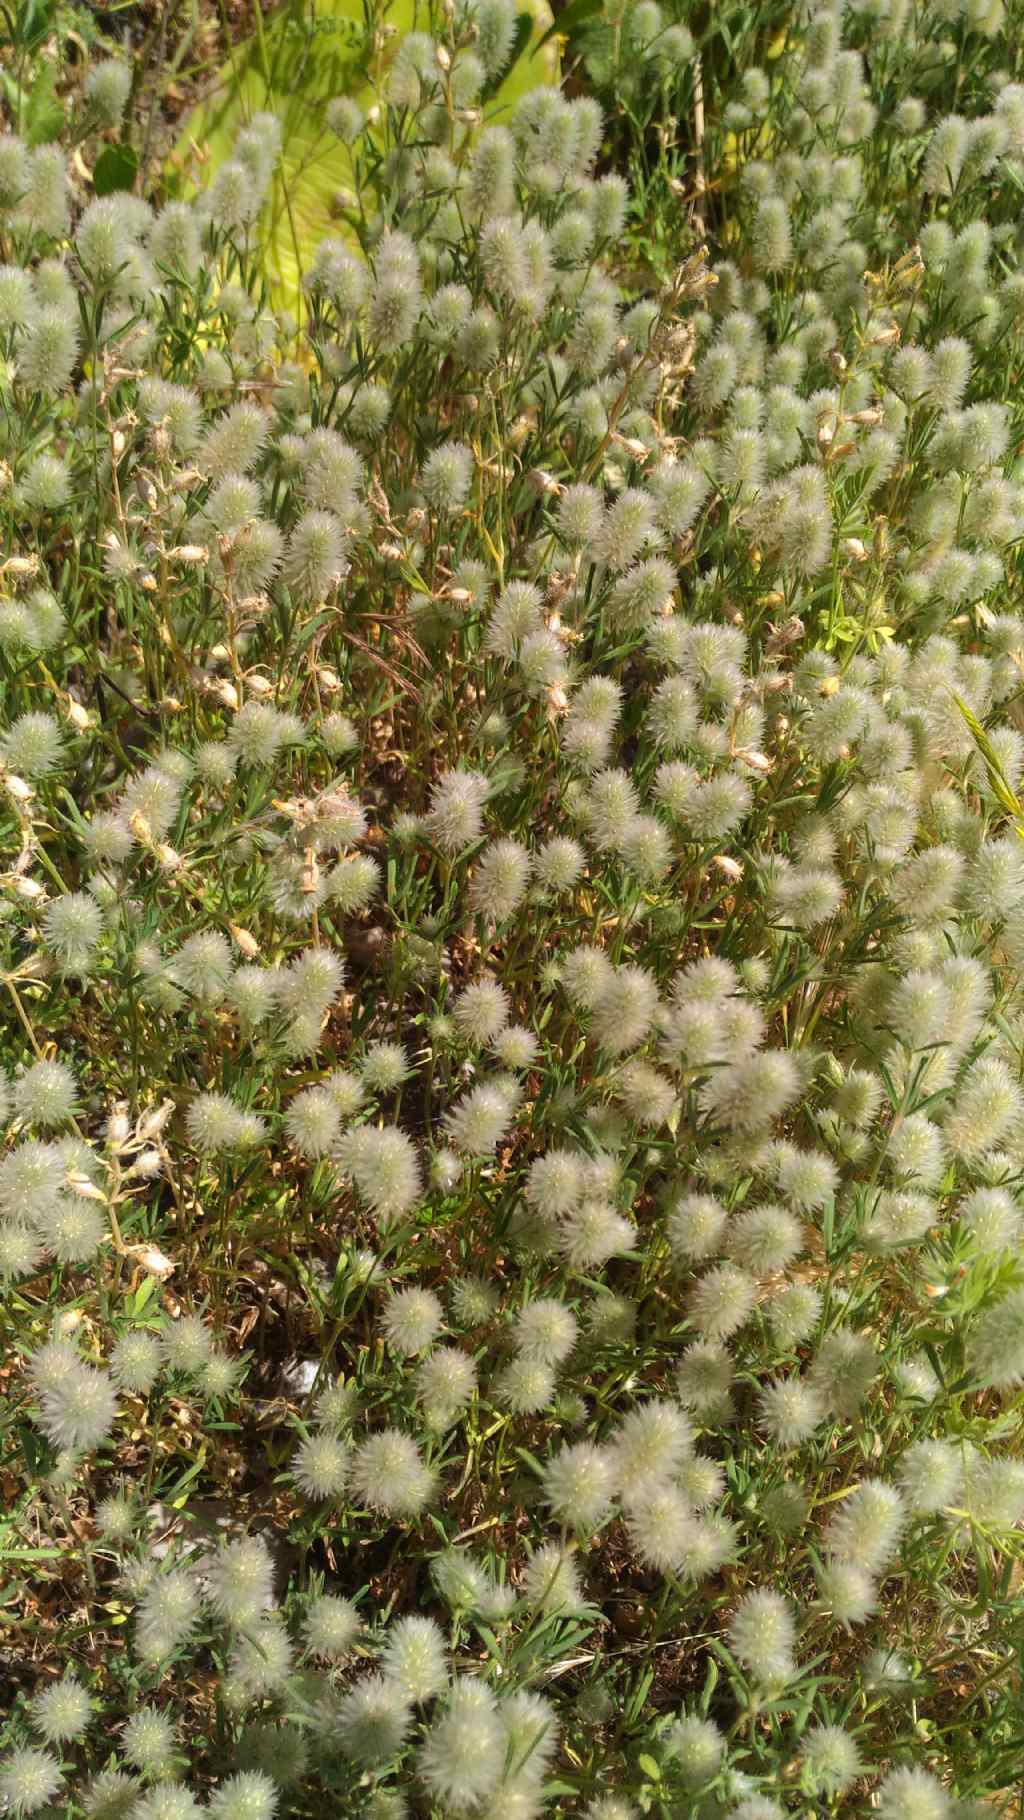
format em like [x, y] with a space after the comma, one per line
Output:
[512, 921]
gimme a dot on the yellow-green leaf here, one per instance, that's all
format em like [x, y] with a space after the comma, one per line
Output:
[1002, 789]
[297, 62]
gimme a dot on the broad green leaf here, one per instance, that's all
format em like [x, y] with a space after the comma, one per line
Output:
[571, 17]
[523, 34]
[299, 61]
[116, 168]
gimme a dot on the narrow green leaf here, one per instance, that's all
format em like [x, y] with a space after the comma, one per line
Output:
[143, 1294]
[44, 112]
